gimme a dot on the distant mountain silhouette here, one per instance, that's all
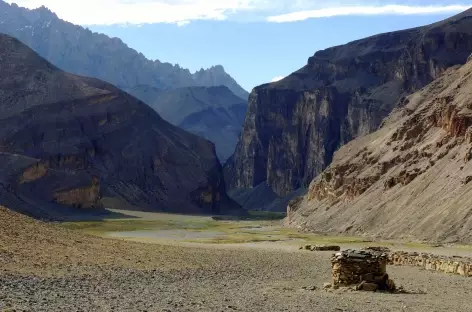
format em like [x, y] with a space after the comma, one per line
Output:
[82, 52]
[214, 113]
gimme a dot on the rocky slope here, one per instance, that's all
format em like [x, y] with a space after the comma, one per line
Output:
[214, 113]
[410, 179]
[79, 51]
[294, 126]
[67, 140]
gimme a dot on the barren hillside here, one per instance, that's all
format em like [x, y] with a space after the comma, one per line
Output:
[410, 179]
[66, 140]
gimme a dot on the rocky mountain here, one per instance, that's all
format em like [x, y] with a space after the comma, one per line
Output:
[410, 179]
[79, 51]
[216, 76]
[294, 126]
[214, 113]
[67, 140]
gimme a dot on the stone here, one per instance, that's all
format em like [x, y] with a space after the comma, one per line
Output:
[327, 285]
[445, 264]
[377, 249]
[349, 266]
[368, 287]
[320, 247]
[361, 268]
[359, 286]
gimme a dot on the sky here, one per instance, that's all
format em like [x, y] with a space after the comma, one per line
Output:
[257, 41]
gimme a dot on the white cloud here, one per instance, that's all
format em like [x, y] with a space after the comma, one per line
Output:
[277, 78]
[182, 12]
[107, 12]
[366, 10]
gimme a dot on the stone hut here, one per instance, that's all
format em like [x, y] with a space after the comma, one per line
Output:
[351, 267]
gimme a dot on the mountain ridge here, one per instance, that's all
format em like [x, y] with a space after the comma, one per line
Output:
[80, 51]
[294, 126]
[69, 140]
[410, 179]
[214, 113]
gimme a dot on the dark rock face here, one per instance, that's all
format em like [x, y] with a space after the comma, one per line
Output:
[81, 52]
[294, 126]
[69, 140]
[410, 179]
[214, 113]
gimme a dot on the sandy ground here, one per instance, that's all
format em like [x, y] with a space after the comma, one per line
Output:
[49, 268]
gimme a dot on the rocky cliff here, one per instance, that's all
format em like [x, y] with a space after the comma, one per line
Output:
[294, 126]
[68, 140]
[82, 52]
[214, 113]
[410, 179]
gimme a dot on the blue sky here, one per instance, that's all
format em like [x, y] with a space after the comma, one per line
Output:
[255, 40]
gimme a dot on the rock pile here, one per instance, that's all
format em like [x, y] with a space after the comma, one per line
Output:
[321, 247]
[377, 249]
[453, 265]
[366, 269]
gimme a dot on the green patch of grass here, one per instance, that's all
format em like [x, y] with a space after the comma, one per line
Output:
[266, 215]
[239, 238]
[266, 229]
[254, 215]
[415, 245]
[101, 227]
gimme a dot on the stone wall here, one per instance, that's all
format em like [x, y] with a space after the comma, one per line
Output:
[349, 266]
[453, 265]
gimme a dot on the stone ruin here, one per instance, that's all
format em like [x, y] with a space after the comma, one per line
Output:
[452, 265]
[367, 270]
[320, 247]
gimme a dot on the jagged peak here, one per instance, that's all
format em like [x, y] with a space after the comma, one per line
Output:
[212, 69]
[217, 68]
[45, 11]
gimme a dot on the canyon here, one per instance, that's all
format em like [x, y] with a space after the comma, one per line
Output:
[294, 126]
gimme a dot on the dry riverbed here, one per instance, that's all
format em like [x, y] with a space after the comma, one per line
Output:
[61, 267]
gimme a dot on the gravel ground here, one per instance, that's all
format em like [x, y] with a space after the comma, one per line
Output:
[46, 268]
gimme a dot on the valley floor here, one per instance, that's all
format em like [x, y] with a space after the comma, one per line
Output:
[54, 268]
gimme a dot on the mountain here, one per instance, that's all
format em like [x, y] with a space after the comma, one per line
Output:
[214, 113]
[294, 126]
[67, 140]
[79, 51]
[410, 179]
[216, 76]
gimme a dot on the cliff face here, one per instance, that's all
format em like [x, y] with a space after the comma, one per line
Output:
[294, 126]
[410, 179]
[81, 52]
[214, 113]
[68, 140]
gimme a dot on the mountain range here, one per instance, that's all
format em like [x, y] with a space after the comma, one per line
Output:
[214, 113]
[368, 138]
[79, 51]
[294, 126]
[67, 140]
